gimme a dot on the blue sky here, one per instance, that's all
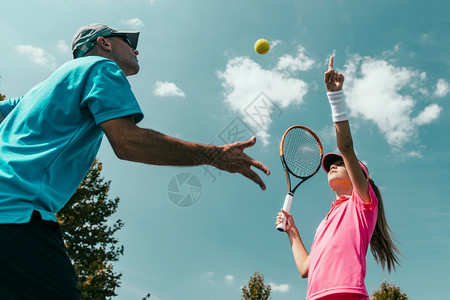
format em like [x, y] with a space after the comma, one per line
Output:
[201, 80]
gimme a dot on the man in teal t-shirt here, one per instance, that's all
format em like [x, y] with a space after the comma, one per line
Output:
[49, 139]
[35, 149]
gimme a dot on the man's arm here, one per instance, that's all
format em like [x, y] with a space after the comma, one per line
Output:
[133, 143]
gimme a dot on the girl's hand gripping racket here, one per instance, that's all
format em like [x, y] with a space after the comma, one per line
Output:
[301, 154]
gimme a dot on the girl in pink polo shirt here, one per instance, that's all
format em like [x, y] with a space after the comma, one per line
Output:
[336, 264]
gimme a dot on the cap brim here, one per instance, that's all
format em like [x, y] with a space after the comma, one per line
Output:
[132, 36]
[328, 159]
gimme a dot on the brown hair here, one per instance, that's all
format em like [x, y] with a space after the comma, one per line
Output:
[382, 245]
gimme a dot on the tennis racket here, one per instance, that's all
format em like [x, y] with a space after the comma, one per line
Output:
[301, 154]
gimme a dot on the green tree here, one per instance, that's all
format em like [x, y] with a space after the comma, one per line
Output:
[389, 291]
[256, 289]
[2, 97]
[89, 237]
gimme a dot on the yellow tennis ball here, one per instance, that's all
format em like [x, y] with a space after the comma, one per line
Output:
[262, 46]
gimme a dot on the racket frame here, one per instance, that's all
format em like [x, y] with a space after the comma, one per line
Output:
[290, 192]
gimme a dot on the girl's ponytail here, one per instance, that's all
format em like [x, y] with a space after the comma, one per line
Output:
[381, 245]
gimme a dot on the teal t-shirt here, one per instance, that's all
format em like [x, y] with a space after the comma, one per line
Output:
[50, 137]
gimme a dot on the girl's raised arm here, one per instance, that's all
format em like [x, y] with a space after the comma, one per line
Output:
[334, 82]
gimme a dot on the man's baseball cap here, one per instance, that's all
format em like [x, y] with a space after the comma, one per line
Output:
[329, 158]
[86, 37]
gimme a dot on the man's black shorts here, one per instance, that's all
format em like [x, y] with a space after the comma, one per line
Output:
[34, 262]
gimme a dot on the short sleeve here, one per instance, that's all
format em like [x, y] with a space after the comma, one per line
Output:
[367, 206]
[7, 106]
[373, 199]
[107, 94]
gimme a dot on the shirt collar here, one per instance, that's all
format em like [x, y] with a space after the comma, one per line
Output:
[338, 202]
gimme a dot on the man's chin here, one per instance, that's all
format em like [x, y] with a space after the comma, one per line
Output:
[133, 72]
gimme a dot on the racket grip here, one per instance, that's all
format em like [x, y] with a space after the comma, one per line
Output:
[286, 207]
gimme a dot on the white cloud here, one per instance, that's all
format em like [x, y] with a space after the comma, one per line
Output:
[164, 89]
[428, 115]
[376, 91]
[229, 278]
[442, 88]
[328, 133]
[63, 47]
[422, 91]
[282, 288]
[259, 95]
[423, 76]
[300, 62]
[134, 23]
[414, 154]
[209, 277]
[275, 43]
[153, 1]
[37, 55]
[392, 51]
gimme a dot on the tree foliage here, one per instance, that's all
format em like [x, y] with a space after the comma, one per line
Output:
[2, 97]
[89, 237]
[256, 289]
[389, 291]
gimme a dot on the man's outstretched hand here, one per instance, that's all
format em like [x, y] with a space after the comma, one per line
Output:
[233, 159]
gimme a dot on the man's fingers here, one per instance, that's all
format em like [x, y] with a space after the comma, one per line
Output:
[255, 178]
[244, 166]
[261, 166]
[246, 144]
[330, 66]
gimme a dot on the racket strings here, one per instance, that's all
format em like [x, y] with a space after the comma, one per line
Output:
[302, 152]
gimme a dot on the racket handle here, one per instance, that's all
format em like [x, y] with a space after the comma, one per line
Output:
[286, 207]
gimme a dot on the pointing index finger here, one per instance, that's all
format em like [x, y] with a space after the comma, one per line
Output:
[330, 66]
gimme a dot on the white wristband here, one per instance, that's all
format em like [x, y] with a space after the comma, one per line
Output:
[339, 110]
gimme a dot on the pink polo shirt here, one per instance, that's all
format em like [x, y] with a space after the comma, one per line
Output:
[337, 260]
